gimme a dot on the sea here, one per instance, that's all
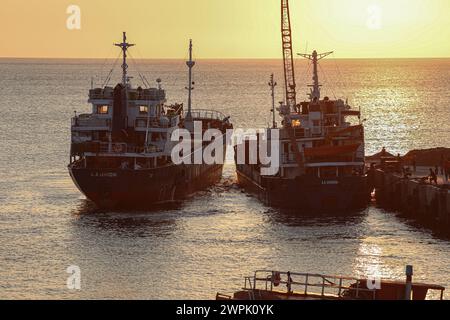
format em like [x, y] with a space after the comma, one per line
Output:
[211, 241]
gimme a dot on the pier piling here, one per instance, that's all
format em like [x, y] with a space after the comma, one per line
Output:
[415, 198]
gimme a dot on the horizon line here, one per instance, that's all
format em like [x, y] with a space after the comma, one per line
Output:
[221, 58]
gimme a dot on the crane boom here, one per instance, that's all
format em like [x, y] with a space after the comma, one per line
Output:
[288, 58]
[289, 79]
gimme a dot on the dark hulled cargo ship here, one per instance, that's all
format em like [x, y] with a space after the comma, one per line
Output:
[121, 152]
[321, 153]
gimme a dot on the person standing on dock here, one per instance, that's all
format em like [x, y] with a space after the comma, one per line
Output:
[447, 169]
[433, 176]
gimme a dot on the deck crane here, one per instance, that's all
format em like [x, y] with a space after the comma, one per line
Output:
[288, 57]
[289, 79]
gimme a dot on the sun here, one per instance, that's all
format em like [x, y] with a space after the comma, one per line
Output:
[374, 17]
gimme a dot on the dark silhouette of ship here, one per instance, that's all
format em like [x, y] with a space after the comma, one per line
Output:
[121, 152]
[321, 154]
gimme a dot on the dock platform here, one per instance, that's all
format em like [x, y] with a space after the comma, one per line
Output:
[414, 196]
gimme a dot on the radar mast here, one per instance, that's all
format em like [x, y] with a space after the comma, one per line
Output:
[124, 46]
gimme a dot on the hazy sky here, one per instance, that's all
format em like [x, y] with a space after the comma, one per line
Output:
[226, 28]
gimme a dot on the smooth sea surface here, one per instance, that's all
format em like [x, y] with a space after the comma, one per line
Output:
[208, 243]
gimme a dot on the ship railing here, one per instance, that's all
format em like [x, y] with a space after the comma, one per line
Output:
[88, 120]
[152, 97]
[299, 133]
[289, 158]
[98, 96]
[309, 284]
[333, 129]
[121, 148]
[147, 94]
[326, 130]
[205, 114]
[302, 133]
[113, 147]
[143, 122]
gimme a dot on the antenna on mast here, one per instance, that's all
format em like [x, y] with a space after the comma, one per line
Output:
[272, 86]
[315, 57]
[124, 46]
[188, 121]
[190, 87]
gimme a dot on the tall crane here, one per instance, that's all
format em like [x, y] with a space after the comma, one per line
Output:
[288, 58]
[289, 79]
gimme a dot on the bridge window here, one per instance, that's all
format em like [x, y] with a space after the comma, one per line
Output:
[102, 109]
[143, 109]
[296, 123]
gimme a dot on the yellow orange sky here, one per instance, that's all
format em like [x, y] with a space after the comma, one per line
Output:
[226, 28]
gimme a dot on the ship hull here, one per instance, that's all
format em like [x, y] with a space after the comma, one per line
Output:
[310, 195]
[120, 188]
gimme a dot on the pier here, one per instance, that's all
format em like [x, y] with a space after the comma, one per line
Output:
[414, 196]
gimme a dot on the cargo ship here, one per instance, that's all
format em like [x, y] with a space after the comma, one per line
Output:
[321, 150]
[120, 153]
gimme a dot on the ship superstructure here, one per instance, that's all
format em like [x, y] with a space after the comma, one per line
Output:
[121, 152]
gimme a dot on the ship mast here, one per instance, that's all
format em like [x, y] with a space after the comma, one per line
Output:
[288, 59]
[315, 57]
[272, 86]
[124, 46]
[190, 87]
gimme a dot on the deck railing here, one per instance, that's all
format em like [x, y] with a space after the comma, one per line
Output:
[205, 114]
[141, 122]
[86, 120]
[308, 284]
[152, 94]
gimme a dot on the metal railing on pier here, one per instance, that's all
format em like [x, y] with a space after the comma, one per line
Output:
[309, 284]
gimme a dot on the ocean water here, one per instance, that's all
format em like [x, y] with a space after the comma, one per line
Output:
[208, 243]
